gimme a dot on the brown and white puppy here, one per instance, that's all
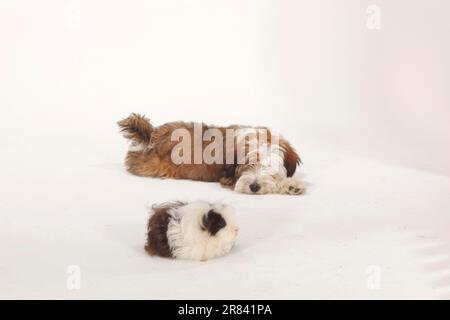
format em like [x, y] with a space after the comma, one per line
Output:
[152, 149]
[191, 231]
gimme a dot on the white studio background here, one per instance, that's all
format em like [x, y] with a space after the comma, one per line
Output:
[328, 74]
[313, 66]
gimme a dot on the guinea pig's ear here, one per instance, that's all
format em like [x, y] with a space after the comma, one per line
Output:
[213, 222]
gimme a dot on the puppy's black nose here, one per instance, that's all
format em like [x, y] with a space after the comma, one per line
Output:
[255, 187]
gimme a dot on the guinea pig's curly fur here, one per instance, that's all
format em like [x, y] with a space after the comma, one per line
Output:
[194, 231]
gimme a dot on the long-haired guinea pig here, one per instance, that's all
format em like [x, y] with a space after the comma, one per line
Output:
[193, 231]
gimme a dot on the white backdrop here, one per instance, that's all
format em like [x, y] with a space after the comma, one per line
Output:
[311, 69]
[309, 65]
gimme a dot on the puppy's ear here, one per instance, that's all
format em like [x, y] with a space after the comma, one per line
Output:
[291, 158]
[229, 171]
[213, 222]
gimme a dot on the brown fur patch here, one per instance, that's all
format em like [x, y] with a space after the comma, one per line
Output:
[136, 128]
[291, 158]
[213, 222]
[157, 243]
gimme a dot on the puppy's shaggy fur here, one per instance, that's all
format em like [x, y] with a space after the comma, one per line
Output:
[192, 231]
[150, 154]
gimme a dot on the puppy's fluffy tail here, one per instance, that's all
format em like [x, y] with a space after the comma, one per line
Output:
[138, 129]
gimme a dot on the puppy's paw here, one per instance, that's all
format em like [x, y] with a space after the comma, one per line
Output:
[291, 186]
[227, 182]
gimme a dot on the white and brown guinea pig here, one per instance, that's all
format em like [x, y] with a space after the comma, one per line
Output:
[194, 231]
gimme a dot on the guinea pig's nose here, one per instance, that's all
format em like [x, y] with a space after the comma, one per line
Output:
[255, 187]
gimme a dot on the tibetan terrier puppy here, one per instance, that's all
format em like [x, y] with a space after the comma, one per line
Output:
[252, 160]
